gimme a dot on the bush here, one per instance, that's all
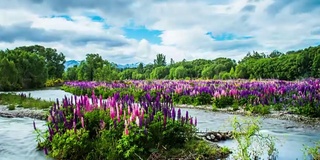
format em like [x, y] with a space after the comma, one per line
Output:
[54, 82]
[223, 101]
[11, 107]
[117, 130]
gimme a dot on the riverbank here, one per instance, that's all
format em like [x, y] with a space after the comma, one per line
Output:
[22, 112]
[281, 115]
[41, 114]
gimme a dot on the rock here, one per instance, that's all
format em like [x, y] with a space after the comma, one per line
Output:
[20, 113]
[217, 136]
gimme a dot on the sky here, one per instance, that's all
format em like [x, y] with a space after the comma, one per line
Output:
[127, 31]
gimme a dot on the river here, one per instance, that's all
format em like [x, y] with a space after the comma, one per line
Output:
[17, 138]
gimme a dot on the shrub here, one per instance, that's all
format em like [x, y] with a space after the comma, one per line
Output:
[251, 143]
[223, 101]
[11, 107]
[116, 129]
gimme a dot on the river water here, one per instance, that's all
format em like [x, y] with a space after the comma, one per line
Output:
[17, 138]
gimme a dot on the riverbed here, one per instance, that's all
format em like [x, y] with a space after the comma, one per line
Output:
[17, 140]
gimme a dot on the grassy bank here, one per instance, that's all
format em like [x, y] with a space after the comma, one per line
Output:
[23, 101]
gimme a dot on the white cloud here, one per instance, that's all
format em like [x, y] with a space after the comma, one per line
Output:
[184, 25]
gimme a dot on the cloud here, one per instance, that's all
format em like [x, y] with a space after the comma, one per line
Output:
[295, 6]
[24, 31]
[125, 31]
[249, 8]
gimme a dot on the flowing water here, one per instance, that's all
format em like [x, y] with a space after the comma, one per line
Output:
[17, 141]
[17, 138]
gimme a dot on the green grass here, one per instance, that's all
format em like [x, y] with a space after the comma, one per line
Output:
[11, 107]
[14, 100]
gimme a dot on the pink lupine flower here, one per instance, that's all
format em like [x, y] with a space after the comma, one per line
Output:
[112, 112]
[82, 122]
[118, 112]
[49, 118]
[137, 121]
[101, 104]
[126, 131]
[216, 95]
[102, 124]
[223, 93]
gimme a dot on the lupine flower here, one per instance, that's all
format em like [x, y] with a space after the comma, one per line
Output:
[82, 122]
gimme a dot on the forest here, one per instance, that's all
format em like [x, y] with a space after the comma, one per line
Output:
[30, 67]
[292, 65]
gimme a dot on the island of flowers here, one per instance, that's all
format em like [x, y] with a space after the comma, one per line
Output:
[299, 97]
[119, 128]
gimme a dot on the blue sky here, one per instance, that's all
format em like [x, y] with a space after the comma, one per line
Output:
[135, 31]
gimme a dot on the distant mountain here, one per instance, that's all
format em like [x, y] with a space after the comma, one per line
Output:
[122, 66]
[71, 63]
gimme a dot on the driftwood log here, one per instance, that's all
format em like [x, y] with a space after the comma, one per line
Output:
[213, 136]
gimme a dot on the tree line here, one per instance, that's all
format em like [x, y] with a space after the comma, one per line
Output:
[291, 65]
[29, 67]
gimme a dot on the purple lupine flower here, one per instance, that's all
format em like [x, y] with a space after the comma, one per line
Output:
[173, 114]
[114, 123]
[165, 121]
[45, 150]
[187, 116]
[179, 113]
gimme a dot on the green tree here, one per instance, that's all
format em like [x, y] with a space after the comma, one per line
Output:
[160, 60]
[54, 61]
[159, 72]
[140, 68]
[9, 78]
[180, 73]
[93, 62]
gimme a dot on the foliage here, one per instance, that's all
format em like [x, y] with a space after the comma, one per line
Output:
[259, 97]
[251, 143]
[54, 82]
[118, 128]
[11, 107]
[29, 67]
[223, 101]
[284, 66]
[314, 152]
[22, 100]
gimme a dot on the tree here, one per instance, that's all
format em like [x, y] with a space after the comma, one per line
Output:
[9, 72]
[71, 74]
[316, 66]
[160, 60]
[159, 72]
[275, 54]
[93, 62]
[180, 72]
[54, 61]
[171, 61]
[140, 68]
